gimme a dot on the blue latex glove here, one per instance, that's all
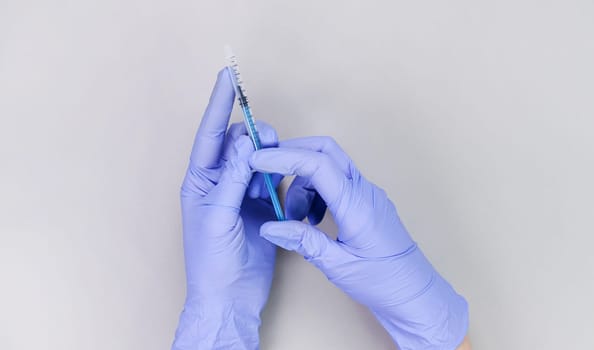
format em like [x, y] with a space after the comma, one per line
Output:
[374, 260]
[228, 266]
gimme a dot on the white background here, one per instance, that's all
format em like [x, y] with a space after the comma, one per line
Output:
[476, 117]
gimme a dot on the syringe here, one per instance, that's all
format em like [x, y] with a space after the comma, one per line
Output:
[251, 125]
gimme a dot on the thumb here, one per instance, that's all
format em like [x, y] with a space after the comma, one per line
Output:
[313, 244]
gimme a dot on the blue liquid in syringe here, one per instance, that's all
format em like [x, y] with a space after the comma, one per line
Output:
[251, 126]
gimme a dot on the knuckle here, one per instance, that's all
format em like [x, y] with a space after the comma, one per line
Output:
[324, 161]
[329, 143]
[314, 163]
[313, 243]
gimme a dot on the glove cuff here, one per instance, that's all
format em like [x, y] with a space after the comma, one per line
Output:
[435, 319]
[216, 326]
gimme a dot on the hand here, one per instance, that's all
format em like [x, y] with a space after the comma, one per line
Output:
[374, 260]
[228, 266]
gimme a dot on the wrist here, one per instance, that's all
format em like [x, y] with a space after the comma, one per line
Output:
[217, 325]
[435, 317]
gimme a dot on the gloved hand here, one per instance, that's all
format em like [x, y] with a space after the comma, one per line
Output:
[374, 260]
[228, 266]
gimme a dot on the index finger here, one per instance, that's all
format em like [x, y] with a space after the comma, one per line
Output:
[326, 177]
[208, 143]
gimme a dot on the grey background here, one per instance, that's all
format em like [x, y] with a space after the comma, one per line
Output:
[476, 117]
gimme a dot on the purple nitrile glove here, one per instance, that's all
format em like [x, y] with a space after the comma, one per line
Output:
[229, 267]
[374, 259]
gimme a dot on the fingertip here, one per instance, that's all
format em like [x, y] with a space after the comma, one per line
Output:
[253, 191]
[250, 194]
[255, 186]
[224, 73]
[268, 134]
[298, 199]
[267, 228]
[296, 236]
[224, 83]
[297, 203]
[317, 210]
[282, 234]
[210, 137]
[314, 218]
